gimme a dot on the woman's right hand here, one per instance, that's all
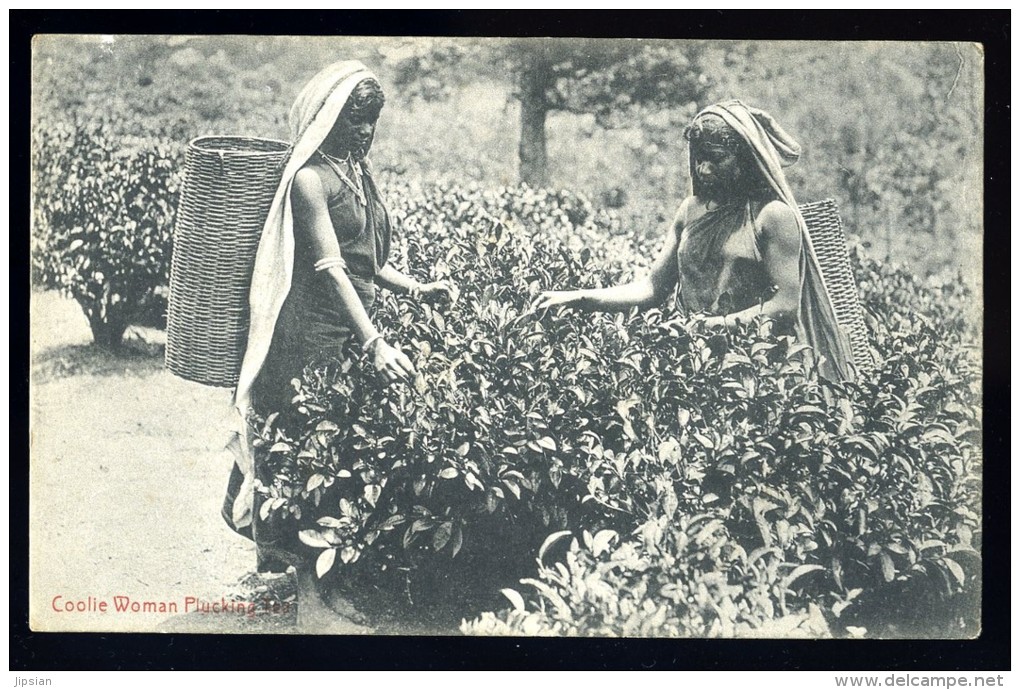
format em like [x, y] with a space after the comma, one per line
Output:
[558, 298]
[390, 362]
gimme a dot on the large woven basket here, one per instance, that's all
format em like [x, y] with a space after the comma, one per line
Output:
[826, 230]
[229, 186]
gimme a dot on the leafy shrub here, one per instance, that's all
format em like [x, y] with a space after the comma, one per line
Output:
[868, 511]
[441, 465]
[112, 117]
[103, 222]
[895, 299]
[679, 577]
[728, 489]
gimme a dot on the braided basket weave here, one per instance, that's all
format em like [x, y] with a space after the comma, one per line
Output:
[229, 186]
[826, 230]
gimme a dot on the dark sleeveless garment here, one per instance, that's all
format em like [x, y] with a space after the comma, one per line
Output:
[312, 324]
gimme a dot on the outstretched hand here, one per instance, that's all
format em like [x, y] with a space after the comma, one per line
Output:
[444, 290]
[390, 362]
[706, 321]
[557, 298]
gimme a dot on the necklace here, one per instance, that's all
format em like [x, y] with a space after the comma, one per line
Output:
[714, 205]
[337, 165]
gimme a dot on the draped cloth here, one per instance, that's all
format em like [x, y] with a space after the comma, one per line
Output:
[720, 261]
[774, 149]
[311, 119]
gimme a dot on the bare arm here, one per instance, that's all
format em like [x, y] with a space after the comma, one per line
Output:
[781, 255]
[313, 224]
[397, 281]
[647, 291]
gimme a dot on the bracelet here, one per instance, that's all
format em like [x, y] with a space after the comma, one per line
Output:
[368, 343]
[330, 262]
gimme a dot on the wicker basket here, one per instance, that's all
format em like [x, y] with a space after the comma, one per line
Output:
[826, 230]
[229, 186]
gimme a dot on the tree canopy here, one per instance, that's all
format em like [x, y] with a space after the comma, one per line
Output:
[614, 80]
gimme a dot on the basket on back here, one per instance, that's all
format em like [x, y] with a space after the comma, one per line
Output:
[826, 230]
[229, 186]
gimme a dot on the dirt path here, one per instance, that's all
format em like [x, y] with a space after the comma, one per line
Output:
[127, 475]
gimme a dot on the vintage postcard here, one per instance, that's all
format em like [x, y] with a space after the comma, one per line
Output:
[480, 336]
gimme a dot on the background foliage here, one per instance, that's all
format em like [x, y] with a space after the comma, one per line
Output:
[893, 131]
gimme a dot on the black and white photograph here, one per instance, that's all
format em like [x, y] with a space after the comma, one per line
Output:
[465, 336]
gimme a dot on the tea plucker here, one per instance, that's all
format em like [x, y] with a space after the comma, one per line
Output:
[323, 252]
[738, 246]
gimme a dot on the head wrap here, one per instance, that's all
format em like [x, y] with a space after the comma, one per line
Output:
[773, 149]
[711, 130]
[311, 119]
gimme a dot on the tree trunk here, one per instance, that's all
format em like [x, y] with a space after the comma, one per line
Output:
[108, 334]
[535, 77]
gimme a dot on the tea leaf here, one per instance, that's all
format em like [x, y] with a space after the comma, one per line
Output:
[515, 598]
[324, 563]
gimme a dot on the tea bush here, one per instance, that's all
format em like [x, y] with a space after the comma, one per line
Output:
[713, 483]
[862, 502]
[103, 222]
[852, 509]
[421, 469]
